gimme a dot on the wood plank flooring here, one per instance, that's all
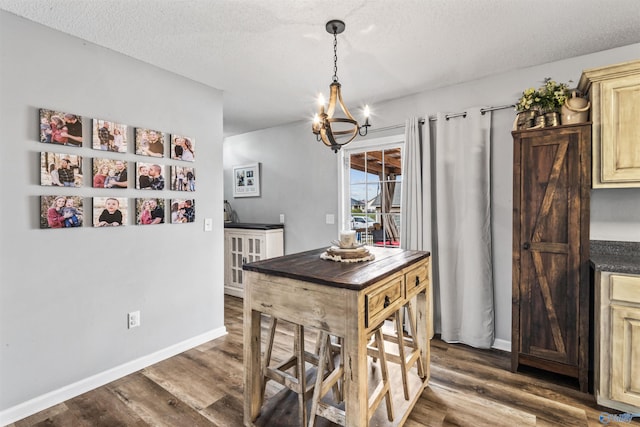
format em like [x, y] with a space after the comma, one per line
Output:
[203, 387]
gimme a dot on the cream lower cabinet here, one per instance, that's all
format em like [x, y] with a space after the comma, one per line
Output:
[617, 346]
[244, 245]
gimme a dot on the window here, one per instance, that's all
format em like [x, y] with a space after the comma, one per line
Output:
[371, 186]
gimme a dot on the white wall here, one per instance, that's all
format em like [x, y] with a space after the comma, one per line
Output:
[64, 294]
[310, 190]
[298, 179]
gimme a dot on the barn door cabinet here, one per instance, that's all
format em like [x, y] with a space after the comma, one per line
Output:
[245, 243]
[614, 92]
[550, 286]
[617, 325]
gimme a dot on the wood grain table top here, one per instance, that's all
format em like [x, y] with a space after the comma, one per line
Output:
[309, 267]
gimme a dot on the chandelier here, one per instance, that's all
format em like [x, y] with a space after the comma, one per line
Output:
[335, 131]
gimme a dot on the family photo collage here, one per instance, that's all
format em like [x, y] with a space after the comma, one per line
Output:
[110, 175]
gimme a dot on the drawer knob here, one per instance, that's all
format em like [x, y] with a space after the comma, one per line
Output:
[417, 281]
[387, 301]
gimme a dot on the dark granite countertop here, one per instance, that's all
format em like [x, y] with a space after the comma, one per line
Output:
[621, 257]
[252, 226]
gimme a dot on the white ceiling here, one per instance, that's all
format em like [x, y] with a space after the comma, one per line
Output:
[272, 57]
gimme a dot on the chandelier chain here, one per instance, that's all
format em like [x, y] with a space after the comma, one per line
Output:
[335, 55]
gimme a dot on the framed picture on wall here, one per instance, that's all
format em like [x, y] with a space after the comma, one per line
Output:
[149, 176]
[246, 180]
[57, 127]
[183, 178]
[183, 148]
[149, 211]
[109, 136]
[61, 211]
[183, 211]
[150, 142]
[109, 211]
[61, 170]
[109, 173]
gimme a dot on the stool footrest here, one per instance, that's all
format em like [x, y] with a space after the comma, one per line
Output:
[333, 414]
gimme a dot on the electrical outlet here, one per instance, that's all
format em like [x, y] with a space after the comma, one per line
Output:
[330, 219]
[133, 319]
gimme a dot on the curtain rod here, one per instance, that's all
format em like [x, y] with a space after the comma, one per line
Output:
[448, 116]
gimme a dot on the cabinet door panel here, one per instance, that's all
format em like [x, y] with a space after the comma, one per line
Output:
[620, 149]
[625, 363]
[550, 212]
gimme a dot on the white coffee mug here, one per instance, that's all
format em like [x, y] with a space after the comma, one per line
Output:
[347, 238]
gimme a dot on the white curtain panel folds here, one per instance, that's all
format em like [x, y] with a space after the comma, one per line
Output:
[416, 182]
[462, 186]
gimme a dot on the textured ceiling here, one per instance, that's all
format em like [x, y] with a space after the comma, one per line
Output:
[272, 58]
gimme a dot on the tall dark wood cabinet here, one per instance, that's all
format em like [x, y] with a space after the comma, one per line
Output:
[550, 301]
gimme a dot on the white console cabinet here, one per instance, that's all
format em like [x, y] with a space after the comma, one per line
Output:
[244, 243]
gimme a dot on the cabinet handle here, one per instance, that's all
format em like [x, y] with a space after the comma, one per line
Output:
[417, 281]
[526, 246]
[387, 302]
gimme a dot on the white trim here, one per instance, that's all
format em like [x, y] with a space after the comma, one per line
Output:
[67, 392]
[234, 291]
[503, 345]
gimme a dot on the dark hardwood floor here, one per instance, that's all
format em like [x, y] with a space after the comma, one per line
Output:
[203, 387]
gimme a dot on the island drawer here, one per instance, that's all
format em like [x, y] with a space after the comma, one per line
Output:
[416, 280]
[381, 301]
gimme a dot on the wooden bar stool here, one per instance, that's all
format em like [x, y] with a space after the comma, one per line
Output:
[405, 359]
[295, 380]
[327, 380]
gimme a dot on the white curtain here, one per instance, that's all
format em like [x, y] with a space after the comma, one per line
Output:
[462, 166]
[450, 216]
[415, 232]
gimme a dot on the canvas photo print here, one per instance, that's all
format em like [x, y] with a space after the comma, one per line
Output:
[60, 170]
[149, 176]
[57, 127]
[183, 148]
[61, 211]
[109, 173]
[183, 211]
[183, 178]
[109, 211]
[150, 142]
[109, 136]
[149, 211]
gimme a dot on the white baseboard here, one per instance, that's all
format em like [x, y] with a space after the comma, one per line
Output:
[235, 292]
[503, 345]
[67, 392]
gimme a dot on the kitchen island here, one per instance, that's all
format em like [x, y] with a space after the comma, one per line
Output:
[347, 300]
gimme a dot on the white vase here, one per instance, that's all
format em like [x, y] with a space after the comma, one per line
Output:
[575, 110]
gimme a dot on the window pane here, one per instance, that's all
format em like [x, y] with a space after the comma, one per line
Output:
[374, 187]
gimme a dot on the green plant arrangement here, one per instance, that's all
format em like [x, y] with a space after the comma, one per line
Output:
[547, 98]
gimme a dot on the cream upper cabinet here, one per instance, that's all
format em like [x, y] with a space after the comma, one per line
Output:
[614, 92]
